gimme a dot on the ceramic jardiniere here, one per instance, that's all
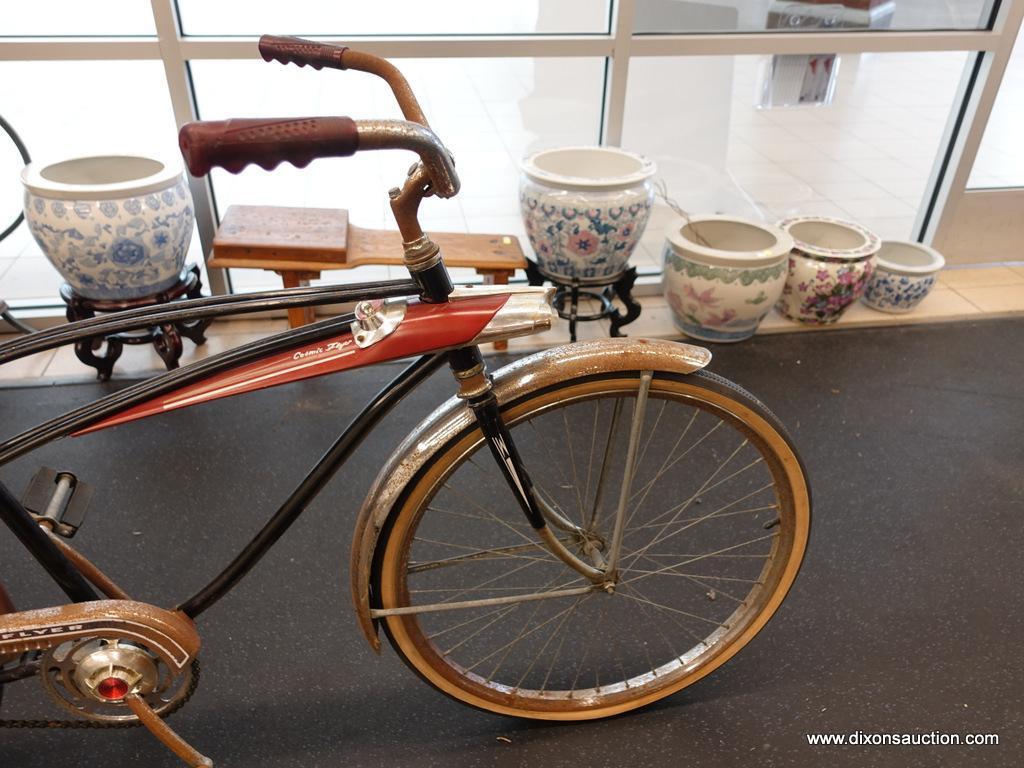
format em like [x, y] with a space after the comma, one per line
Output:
[904, 274]
[723, 274]
[584, 209]
[829, 266]
[114, 227]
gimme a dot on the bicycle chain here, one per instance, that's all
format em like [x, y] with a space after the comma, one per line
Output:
[101, 724]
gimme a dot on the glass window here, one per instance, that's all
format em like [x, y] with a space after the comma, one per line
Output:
[397, 17]
[83, 121]
[865, 156]
[74, 17]
[679, 16]
[489, 112]
[1000, 162]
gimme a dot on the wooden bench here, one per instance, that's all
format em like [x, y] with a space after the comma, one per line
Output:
[300, 243]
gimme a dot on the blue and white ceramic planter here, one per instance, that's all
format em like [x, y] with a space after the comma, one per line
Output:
[723, 274]
[114, 227]
[585, 209]
[905, 273]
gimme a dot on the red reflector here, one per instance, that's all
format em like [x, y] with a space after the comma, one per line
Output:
[112, 688]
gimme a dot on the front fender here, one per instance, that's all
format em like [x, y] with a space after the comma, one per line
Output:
[452, 417]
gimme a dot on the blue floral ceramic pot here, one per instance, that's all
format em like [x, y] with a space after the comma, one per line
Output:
[114, 227]
[585, 209]
[905, 273]
[723, 274]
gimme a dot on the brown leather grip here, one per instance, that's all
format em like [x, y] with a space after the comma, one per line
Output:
[295, 50]
[233, 144]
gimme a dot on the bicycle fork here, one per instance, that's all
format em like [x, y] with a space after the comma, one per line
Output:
[475, 388]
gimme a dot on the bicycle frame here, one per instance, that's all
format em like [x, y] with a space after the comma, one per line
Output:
[471, 316]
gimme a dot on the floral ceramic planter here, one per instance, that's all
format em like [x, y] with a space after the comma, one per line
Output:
[905, 273]
[114, 227]
[829, 266]
[723, 275]
[584, 209]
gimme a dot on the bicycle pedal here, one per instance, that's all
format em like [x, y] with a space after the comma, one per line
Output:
[59, 498]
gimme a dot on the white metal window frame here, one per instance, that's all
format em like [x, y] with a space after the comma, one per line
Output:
[947, 185]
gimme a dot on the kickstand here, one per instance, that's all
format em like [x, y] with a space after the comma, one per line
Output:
[165, 734]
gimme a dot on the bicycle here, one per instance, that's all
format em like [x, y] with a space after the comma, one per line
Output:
[663, 512]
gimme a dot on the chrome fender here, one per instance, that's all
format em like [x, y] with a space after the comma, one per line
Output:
[522, 377]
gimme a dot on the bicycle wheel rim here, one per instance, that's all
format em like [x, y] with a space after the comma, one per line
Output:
[780, 567]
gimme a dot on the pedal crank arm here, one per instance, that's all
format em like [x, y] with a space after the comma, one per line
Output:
[165, 734]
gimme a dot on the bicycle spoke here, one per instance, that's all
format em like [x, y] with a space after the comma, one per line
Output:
[572, 463]
[502, 613]
[473, 620]
[646, 605]
[485, 554]
[642, 600]
[561, 642]
[590, 460]
[666, 466]
[705, 486]
[547, 642]
[646, 488]
[552, 461]
[694, 580]
[523, 634]
[470, 516]
[758, 556]
[499, 577]
[700, 557]
[674, 610]
[692, 521]
[595, 511]
[715, 516]
[491, 515]
[661, 536]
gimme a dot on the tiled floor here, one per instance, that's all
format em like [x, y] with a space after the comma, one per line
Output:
[961, 294]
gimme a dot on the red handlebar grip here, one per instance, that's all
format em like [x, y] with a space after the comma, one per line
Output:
[233, 144]
[295, 50]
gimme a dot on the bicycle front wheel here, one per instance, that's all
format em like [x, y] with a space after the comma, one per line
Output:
[716, 518]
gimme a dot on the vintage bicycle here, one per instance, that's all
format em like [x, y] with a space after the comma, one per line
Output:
[584, 531]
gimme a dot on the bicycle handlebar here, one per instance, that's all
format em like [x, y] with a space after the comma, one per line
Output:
[233, 144]
[295, 50]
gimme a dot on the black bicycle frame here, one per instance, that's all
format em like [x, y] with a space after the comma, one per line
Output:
[71, 581]
[432, 286]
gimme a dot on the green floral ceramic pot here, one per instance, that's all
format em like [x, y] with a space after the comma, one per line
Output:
[723, 274]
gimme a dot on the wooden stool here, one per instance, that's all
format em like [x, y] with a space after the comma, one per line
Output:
[299, 243]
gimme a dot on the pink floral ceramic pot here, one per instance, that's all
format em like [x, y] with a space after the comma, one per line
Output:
[829, 266]
[723, 274]
[584, 209]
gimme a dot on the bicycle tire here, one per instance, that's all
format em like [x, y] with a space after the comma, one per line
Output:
[517, 686]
